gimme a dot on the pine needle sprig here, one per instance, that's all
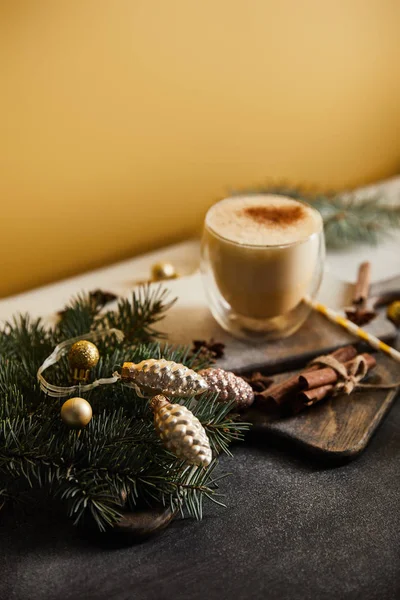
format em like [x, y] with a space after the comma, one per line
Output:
[24, 343]
[348, 217]
[137, 317]
[117, 462]
[185, 487]
[78, 317]
[24, 338]
[350, 220]
[219, 422]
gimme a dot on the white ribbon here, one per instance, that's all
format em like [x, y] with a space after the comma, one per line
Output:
[59, 351]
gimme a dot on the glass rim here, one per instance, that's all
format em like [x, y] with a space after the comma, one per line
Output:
[264, 246]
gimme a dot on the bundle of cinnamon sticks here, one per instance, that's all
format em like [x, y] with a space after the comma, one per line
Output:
[311, 385]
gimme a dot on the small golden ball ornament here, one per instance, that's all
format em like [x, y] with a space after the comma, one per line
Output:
[82, 357]
[393, 312]
[76, 412]
[163, 271]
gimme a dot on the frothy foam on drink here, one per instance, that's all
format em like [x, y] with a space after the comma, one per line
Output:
[263, 220]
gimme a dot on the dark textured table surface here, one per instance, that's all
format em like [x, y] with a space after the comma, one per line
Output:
[293, 529]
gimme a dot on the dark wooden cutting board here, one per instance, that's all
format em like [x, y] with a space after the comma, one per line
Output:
[192, 320]
[339, 427]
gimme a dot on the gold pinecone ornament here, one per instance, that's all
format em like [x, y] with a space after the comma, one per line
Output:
[181, 432]
[160, 376]
[229, 386]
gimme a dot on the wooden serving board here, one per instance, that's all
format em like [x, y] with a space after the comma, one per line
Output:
[341, 427]
[337, 428]
[190, 319]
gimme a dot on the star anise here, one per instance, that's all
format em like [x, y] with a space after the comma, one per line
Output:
[360, 316]
[101, 298]
[98, 298]
[216, 349]
[258, 381]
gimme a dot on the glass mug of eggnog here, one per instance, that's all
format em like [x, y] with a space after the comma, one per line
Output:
[262, 256]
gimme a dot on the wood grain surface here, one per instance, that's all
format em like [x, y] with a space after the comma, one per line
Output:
[339, 427]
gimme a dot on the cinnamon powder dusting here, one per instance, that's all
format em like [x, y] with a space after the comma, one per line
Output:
[274, 215]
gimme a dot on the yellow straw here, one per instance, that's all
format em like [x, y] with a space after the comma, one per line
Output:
[336, 317]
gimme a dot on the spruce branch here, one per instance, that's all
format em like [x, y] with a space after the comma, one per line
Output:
[117, 462]
[348, 218]
[25, 339]
[137, 317]
[78, 317]
[219, 422]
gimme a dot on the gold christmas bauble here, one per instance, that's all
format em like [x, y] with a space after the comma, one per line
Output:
[76, 412]
[393, 312]
[82, 357]
[162, 271]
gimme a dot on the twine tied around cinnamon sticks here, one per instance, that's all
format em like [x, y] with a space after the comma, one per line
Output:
[349, 377]
[327, 375]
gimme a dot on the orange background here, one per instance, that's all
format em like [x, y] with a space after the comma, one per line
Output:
[122, 120]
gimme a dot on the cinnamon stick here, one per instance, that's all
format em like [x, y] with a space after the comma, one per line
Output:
[281, 391]
[361, 290]
[313, 396]
[306, 399]
[310, 397]
[360, 313]
[323, 377]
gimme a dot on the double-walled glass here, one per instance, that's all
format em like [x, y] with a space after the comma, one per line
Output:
[258, 292]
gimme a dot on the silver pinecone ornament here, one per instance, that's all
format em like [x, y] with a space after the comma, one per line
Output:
[229, 386]
[181, 432]
[162, 376]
